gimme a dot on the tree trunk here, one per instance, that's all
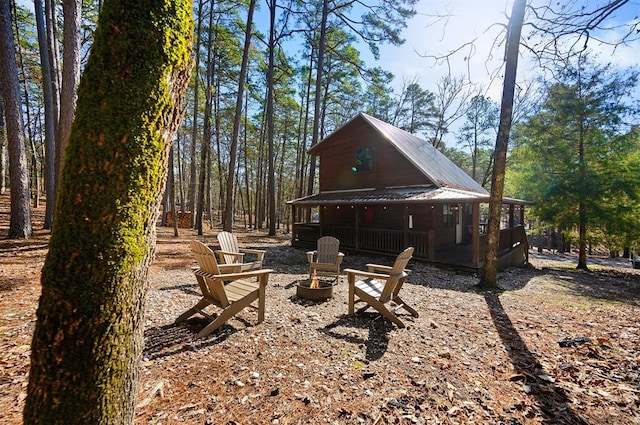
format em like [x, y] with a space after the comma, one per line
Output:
[247, 170]
[233, 154]
[72, 10]
[30, 124]
[200, 205]
[271, 187]
[260, 177]
[3, 145]
[206, 136]
[172, 192]
[489, 274]
[208, 202]
[191, 193]
[281, 177]
[20, 220]
[49, 117]
[316, 103]
[303, 152]
[88, 337]
[582, 205]
[217, 129]
[54, 58]
[178, 155]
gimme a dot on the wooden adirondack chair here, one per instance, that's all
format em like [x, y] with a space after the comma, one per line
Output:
[225, 287]
[231, 253]
[326, 260]
[381, 287]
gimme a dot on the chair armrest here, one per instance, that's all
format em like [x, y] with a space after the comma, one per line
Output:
[365, 274]
[221, 254]
[237, 254]
[340, 257]
[230, 268]
[310, 255]
[259, 252]
[243, 275]
[377, 267]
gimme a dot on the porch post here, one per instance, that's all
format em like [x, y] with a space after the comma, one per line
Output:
[405, 226]
[431, 234]
[511, 215]
[293, 224]
[475, 234]
[511, 224]
[356, 239]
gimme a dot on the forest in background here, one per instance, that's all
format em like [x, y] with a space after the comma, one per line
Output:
[573, 140]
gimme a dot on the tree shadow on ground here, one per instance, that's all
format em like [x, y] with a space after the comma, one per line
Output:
[187, 288]
[378, 338]
[11, 284]
[553, 402]
[604, 284]
[424, 274]
[617, 285]
[175, 338]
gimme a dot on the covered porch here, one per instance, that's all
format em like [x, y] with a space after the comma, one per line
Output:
[446, 232]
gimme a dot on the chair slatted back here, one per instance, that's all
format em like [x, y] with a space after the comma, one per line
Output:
[210, 287]
[328, 248]
[397, 274]
[205, 257]
[229, 243]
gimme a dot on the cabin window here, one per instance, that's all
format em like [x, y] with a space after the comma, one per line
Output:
[447, 215]
[365, 159]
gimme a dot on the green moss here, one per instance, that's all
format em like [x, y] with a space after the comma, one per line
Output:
[113, 171]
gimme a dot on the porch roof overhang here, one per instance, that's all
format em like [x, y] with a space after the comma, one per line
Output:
[399, 195]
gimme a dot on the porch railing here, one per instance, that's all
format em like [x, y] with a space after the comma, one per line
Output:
[389, 241]
[373, 240]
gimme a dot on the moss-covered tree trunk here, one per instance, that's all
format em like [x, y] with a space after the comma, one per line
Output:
[88, 337]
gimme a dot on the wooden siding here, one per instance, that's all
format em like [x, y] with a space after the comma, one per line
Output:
[421, 217]
[338, 155]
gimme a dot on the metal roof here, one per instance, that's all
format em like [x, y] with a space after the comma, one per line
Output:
[390, 195]
[417, 194]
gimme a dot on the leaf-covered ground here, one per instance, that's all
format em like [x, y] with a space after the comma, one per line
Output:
[553, 346]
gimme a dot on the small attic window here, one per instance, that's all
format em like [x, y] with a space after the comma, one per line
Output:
[365, 159]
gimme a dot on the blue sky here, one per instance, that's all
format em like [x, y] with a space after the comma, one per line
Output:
[480, 21]
[469, 20]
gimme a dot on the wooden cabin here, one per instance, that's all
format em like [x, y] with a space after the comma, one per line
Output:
[382, 189]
